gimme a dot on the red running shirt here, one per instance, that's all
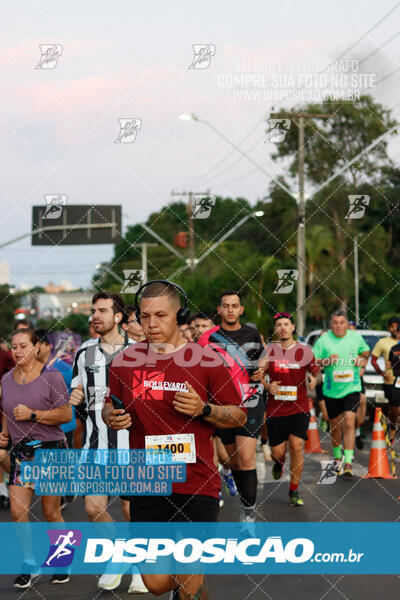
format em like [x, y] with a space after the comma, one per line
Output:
[147, 382]
[290, 367]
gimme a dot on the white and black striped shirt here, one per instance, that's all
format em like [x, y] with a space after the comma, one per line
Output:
[91, 366]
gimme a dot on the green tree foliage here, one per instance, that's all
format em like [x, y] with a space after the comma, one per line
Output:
[249, 258]
[75, 322]
[8, 304]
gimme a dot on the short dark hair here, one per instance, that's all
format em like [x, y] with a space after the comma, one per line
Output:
[43, 335]
[203, 315]
[26, 322]
[31, 333]
[283, 315]
[128, 312]
[192, 317]
[339, 313]
[230, 293]
[393, 320]
[118, 305]
[157, 289]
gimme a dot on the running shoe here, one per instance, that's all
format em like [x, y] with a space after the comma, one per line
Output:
[337, 465]
[295, 499]
[23, 581]
[277, 470]
[359, 442]
[347, 471]
[230, 484]
[109, 581]
[221, 500]
[247, 524]
[266, 450]
[63, 503]
[60, 578]
[137, 586]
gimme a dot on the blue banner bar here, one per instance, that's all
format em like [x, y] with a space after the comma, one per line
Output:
[103, 472]
[219, 548]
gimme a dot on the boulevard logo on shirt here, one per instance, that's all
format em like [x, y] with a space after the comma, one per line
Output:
[170, 386]
[151, 385]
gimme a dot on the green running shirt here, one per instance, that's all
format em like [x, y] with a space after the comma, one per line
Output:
[342, 378]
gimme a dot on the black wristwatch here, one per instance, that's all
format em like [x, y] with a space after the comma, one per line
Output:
[33, 416]
[206, 410]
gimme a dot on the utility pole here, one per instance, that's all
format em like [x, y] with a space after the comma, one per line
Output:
[189, 210]
[356, 280]
[301, 215]
[144, 246]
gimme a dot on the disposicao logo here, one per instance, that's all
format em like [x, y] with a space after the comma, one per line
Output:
[189, 550]
[62, 547]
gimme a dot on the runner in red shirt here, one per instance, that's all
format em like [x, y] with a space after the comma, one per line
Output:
[289, 364]
[172, 387]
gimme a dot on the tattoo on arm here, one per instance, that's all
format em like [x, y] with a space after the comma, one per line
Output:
[226, 416]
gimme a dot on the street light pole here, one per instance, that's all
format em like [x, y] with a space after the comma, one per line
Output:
[301, 238]
[144, 246]
[300, 235]
[192, 117]
[356, 280]
[301, 216]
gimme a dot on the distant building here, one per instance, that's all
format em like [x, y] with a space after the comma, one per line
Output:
[55, 305]
[63, 286]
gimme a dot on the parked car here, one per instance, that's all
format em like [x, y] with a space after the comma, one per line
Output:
[372, 381]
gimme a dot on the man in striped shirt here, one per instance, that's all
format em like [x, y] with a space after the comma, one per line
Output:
[89, 388]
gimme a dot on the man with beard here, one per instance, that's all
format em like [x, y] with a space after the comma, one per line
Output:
[89, 388]
[244, 345]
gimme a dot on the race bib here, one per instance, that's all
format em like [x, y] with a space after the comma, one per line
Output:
[346, 376]
[286, 392]
[181, 446]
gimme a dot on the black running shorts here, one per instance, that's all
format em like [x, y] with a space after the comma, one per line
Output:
[252, 427]
[280, 428]
[174, 508]
[387, 390]
[395, 395]
[337, 406]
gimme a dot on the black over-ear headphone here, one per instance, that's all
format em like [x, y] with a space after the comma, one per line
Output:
[183, 313]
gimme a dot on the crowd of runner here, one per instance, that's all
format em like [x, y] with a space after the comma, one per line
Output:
[209, 384]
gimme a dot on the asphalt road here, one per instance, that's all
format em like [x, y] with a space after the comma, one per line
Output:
[354, 500]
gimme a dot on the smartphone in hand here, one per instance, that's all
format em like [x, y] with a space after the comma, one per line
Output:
[117, 403]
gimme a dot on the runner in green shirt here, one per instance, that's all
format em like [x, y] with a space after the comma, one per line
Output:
[342, 352]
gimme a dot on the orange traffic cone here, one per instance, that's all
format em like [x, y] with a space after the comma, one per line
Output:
[313, 443]
[378, 458]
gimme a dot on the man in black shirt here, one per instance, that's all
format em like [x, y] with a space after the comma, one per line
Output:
[240, 442]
